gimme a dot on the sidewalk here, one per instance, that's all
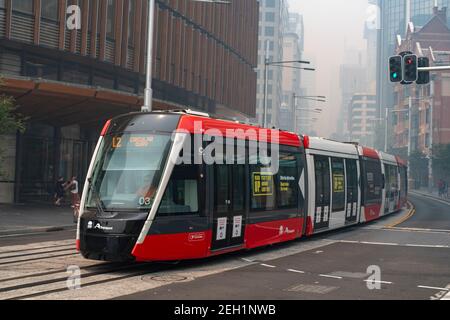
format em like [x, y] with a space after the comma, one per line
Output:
[29, 218]
[425, 192]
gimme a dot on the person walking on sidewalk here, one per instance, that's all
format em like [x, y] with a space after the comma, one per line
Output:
[59, 191]
[74, 192]
[73, 187]
[441, 187]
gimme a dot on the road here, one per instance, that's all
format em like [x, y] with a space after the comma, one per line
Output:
[412, 259]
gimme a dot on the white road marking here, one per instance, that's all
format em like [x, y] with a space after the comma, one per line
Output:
[329, 276]
[247, 260]
[267, 265]
[380, 243]
[395, 244]
[296, 271]
[377, 281]
[433, 288]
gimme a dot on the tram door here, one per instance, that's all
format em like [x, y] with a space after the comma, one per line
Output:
[351, 213]
[229, 206]
[323, 192]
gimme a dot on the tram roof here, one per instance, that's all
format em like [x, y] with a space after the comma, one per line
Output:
[322, 144]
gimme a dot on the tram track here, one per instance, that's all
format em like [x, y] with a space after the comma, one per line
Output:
[38, 248]
[130, 270]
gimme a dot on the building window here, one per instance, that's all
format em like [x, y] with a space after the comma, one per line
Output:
[50, 9]
[269, 31]
[25, 6]
[110, 19]
[2, 3]
[132, 15]
[93, 10]
[270, 16]
[270, 3]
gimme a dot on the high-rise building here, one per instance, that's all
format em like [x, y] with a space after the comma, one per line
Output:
[293, 44]
[69, 81]
[362, 118]
[352, 80]
[273, 20]
[394, 17]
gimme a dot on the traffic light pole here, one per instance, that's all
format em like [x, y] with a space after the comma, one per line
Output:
[440, 68]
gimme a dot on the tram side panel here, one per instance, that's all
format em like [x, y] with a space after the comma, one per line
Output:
[334, 193]
[371, 185]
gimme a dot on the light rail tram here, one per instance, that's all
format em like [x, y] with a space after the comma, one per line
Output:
[141, 203]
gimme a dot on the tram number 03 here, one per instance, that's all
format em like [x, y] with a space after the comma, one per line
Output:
[145, 201]
[227, 310]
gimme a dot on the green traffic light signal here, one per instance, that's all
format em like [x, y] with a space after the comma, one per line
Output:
[395, 68]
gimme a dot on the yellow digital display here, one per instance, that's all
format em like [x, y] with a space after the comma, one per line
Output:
[338, 183]
[132, 141]
[262, 184]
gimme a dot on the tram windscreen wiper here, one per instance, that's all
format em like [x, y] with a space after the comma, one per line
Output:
[98, 200]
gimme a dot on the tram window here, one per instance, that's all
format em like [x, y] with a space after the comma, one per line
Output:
[337, 166]
[287, 181]
[322, 174]
[403, 182]
[373, 181]
[181, 196]
[352, 180]
[238, 188]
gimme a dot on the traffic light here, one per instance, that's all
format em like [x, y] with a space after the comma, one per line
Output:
[410, 72]
[395, 69]
[424, 76]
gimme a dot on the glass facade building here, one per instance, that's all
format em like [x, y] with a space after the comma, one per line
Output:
[393, 18]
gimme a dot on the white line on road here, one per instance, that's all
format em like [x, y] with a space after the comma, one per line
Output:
[247, 260]
[394, 244]
[267, 265]
[433, 288]
[377, 281]
[380, 243]
[296, 271]
[329, 276]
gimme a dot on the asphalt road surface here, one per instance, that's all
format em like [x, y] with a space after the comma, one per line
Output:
[408, 261]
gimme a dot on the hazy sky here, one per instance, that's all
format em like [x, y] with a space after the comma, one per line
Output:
[332, 27]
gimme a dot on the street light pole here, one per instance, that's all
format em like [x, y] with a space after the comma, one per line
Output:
[147, 107]
[266, 62]
[148, 93]
[386, 131]
[409, 137]
[430, 160]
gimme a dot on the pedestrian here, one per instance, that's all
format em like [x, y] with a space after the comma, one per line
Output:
[72, 186]
[59, 191]
[445, 190]
[441, 187]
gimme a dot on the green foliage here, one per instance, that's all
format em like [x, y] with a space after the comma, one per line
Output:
[10, 121]
[441, 161]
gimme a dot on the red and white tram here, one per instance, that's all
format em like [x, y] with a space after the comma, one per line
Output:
[141, 203]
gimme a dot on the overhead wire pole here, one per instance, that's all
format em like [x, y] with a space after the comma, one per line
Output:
[148, 93]
[148, 98]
